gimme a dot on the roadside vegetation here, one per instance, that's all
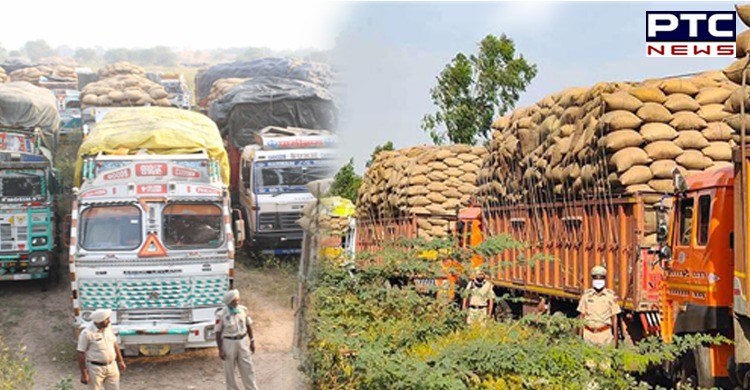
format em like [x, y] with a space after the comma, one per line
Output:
[369, 331]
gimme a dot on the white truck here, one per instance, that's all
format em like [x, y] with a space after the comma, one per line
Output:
[151, 234]
[274, 173]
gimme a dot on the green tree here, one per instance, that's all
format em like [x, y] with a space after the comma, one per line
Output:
[472, 90]
[380, 148]
[116, 55]
[85, 55]
[38, 49]
[346, 182]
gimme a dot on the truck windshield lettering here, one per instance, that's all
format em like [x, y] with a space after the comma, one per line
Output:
[290, 176]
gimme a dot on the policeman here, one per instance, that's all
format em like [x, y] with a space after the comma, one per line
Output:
[234, 337]
[97, 352]
[599, 310]
[479, 299]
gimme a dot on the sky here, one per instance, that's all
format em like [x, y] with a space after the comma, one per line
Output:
[391, 53]
[278, 25]
[388, 53]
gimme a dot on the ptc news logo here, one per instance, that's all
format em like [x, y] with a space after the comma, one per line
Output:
[690, 33]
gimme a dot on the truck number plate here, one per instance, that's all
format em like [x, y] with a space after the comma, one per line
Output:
[154, 349]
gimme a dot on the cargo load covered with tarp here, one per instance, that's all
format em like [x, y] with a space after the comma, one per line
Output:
[313, 72]
[273, 101]
[26, 106]
[158, 130]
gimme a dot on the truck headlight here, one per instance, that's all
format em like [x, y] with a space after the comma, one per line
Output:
[209, 333]
[266, 226]
[86, 316]
[38, 241]
[38, 259]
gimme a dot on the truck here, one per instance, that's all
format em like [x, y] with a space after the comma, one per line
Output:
[29, 183]
[704, 255]
[151, 233]
[273, 178]
[176, 87]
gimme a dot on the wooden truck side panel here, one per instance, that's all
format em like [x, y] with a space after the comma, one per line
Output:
[573, 237]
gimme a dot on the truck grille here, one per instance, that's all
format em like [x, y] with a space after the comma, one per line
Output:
[283, 221]
[153, 293]
[6, 236]
[177, 315]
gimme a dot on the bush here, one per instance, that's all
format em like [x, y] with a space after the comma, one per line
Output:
[367, 334]
[16, 372]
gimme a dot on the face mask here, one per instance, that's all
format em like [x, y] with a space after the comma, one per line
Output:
[599, 283]
[234, 310]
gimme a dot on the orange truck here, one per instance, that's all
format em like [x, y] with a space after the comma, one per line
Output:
[705, 261]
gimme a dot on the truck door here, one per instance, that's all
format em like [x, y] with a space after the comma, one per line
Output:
[247, 196]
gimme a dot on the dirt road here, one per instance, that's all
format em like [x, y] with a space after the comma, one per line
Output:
[41, 321]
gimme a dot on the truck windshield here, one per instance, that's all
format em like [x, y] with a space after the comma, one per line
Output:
[193, 226]
[111, 228]
[290, 176]
[21, 185]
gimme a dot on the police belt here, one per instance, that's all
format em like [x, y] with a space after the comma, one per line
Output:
[477, 307]
[100, 363]
[235, 337]
[598, 330]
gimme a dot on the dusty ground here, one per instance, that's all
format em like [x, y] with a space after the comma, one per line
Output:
[41, 321]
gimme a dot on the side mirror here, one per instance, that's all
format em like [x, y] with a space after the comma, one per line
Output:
[66, 231]
[665, 255]
[662, 232]
[239, 228]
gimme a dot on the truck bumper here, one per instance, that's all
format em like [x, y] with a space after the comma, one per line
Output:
[142, 339]
[277, 242]
[21, 270]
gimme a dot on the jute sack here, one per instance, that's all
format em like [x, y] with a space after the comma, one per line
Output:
[694, 159]
[718, 131]
[661, 150]
[718, 151]
[620, 139]
[742, 44]
[662, 185]
[691, 139]
[743, 11]
[628, 157]
[721, 164]
[658, 132]
[686, 120]
[637, 174]
[713, 112]
[662, 169]
[734, 71]
[671, 86]
[735, 122]
[621, 119]
[681, 102]
[621, 100]
[654, 112]
[649, 94]
[733, 104]
[713, 95]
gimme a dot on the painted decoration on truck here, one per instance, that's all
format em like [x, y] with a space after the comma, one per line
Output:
[15, 143]
[151, 169]
[118, 174]
[185, 172]
[151, 189]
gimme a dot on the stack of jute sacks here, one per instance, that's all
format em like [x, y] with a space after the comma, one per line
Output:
[118, 88]
[432, 180]
[222, 86]
[735, 71]
[3, 76]
[609, 140]
[55, 71]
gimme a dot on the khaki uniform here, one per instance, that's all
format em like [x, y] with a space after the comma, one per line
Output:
[237, 350]
[597, 309]
[99, 348]
[479, 298]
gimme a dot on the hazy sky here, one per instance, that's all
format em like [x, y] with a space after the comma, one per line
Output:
[392, 52]
[278, 25]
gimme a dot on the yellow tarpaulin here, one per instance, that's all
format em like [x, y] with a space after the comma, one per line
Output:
[337, 206]
[158, 130]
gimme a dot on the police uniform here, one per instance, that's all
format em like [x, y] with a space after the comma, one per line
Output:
[236, 346]
[597, 308]
[479, 299]
[101, 360]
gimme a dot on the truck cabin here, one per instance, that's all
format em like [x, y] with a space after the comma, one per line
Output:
[698, 253]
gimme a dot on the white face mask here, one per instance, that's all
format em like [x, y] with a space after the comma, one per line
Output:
[599, 283]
